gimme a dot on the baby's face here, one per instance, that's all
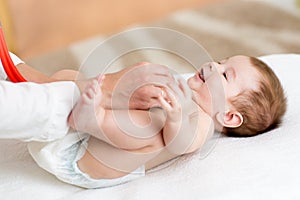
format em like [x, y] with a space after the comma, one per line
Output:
[216, 82]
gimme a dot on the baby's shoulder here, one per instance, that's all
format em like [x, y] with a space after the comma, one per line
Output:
[204, 129]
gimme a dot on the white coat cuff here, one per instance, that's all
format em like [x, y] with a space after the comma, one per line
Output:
[16, 60]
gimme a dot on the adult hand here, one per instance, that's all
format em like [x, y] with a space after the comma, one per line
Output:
[136, 87]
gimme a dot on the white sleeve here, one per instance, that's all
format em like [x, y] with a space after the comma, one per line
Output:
[36, 112]
[16, 60]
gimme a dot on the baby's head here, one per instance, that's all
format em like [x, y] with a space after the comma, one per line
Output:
[242, 94]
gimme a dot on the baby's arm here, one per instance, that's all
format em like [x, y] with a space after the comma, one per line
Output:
[187, 126]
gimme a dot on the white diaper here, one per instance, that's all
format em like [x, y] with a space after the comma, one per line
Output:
[60, 158]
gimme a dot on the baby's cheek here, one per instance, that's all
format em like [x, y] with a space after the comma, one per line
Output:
[205, 96]
[193, 84]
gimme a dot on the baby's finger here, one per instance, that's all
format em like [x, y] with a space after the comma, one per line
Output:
[95, 86]
[85, 98]
[90, 93]
[164, 103]
[172, 98]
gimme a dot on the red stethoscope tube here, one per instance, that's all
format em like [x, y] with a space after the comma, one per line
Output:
[8, 65]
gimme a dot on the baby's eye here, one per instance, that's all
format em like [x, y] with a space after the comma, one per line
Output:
[225, 75]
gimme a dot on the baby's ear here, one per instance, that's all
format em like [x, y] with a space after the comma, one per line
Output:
[230, 119]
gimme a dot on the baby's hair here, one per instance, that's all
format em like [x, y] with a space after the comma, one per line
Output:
[262, 110]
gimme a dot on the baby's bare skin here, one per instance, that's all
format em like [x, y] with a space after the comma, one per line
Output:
[112, 152]
[96, 163]
[88, 115]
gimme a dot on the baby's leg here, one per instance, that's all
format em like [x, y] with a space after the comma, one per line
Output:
[132, 130]
[87, 115]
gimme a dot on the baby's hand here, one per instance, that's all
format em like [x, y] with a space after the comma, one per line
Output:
[178, 104]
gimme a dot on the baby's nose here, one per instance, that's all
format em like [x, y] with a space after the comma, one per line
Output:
[215, 65]
[211, 69]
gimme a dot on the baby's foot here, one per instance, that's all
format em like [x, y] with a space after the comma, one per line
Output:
[87, 115]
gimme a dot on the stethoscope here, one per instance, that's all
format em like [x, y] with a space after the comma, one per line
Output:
[8, 65]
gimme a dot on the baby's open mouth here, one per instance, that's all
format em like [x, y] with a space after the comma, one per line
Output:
[201, 75]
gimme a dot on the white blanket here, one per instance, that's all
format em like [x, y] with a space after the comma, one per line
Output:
[262, 167]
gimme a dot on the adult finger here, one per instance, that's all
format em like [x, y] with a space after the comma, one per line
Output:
[150, 91]
[155, 70]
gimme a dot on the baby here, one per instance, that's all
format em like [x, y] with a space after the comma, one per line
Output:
[240, 96]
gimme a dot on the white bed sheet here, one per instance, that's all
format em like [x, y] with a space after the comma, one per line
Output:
[262, 167]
